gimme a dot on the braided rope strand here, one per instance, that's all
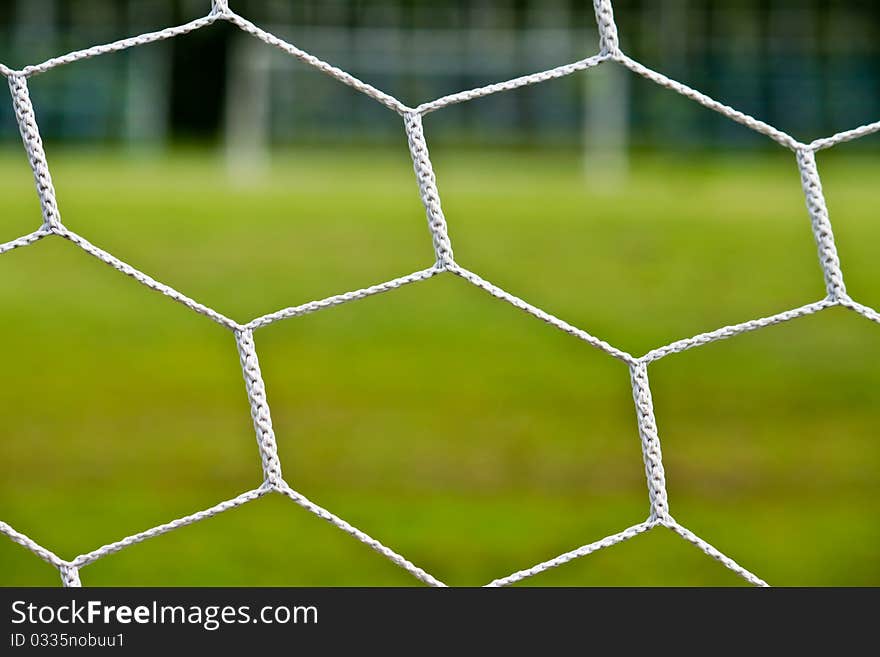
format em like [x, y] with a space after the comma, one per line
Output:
[334, 72]
[822, 232]
[29, 544]
[713, 552]
[544, 316]
[70, 576]
[863, 310]
[144, 279]
[510, 85]
[364, 538]
[846, 135]
[25, 240]
[219, 7]
[651, 453]
[33, 144]
[115, 46]
[339, 299]
[256, 391]
[608, 40]
[582, 551]
[706, 101]
[111, 548]
[424, 170]
[727, 332]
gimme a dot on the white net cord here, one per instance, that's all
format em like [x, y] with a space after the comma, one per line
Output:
[272, 479]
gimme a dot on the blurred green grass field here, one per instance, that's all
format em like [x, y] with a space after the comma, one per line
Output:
[471, 438]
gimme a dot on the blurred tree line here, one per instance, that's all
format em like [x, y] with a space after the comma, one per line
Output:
[811, 67]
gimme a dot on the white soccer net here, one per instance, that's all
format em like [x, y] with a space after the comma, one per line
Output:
[273, 481]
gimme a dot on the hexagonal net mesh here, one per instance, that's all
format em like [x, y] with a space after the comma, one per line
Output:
[273, 481]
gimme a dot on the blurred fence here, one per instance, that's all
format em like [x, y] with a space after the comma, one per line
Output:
[808, 66]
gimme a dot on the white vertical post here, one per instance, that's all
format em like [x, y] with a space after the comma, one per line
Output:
[247, 120]
[674, 41]
[606, 109]
[147, 94]
[606, 125]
